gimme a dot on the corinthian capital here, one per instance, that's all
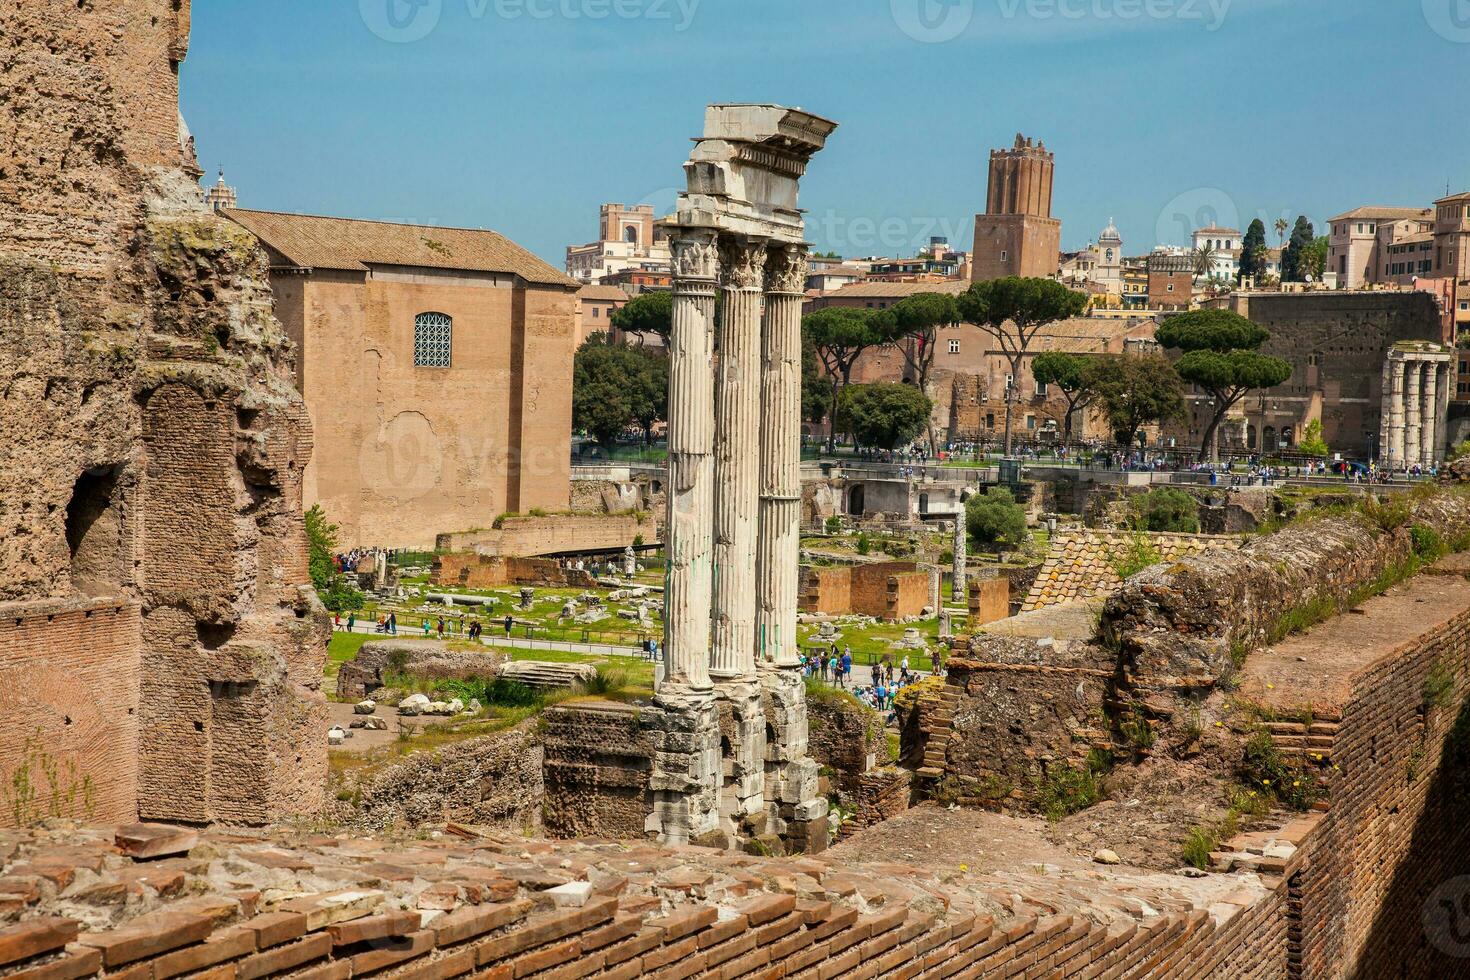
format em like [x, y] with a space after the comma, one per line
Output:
[786, 269]
[742, 262]
[694, 255]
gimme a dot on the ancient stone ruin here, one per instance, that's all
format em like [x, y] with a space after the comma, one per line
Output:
[160, 649]
[731, 687]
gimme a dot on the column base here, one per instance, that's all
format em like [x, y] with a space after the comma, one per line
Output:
[797, 810]
[684, 785]
[743, 750]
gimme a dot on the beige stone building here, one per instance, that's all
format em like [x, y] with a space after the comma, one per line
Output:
[628, 241]
[595, 307]
[436, 364]
[1369, 246]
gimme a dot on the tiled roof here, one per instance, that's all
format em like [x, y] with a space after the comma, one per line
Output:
[1383, 214]
[314, 242]
[1079, 564]
[596, 292]
[899, 290]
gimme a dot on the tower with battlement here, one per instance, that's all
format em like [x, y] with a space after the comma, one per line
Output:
[1017, 235]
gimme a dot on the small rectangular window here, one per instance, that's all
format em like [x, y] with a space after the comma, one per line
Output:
[432, 340]
[954, 346]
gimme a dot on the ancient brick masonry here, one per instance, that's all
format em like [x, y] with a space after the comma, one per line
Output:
[244, 907]
[156, 448]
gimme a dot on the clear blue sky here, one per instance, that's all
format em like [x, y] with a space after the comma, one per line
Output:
[525, 115]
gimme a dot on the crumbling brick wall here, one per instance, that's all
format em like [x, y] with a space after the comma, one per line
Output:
[554, 534]
[891, 590]
[473, 571]
[158, 444]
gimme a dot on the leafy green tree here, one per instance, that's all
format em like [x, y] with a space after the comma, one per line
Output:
[321, 540]
[1291, 256]
[1012, 311]
[1253, 251]
[1312, 443]
[995, 520]
[883, 416]
[1221, 359]
[814, 388]
[1073, 374]
[336, 593]
[839, 335]
[615, 386]
[645, 314]
[1166, 509]
[1314, 258]
[1137, 390]
[913, 325]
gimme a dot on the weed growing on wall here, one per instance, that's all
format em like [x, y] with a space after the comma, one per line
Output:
[41, 787]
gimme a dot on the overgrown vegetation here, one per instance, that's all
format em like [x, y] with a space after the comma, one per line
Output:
[1265, 770]
[336, 593]
[995, 520]
[1066, 789]
[41, 786]
[1439, 685]
[1166, 509]
[1134, 556]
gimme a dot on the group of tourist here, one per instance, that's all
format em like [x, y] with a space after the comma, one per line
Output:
[832, 666]
[828, 665]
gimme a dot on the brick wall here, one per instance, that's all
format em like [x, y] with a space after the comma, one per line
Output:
[891, 591]
[69, 670]
[553, 534]
[474, 571]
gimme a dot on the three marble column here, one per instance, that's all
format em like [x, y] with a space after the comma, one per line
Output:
[1416, 392]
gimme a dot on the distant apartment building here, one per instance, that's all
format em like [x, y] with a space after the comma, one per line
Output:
[635, 281]
[924, 268]
[1366, 245]
[1225, 248]
[595, 307]
[630, 240]
[1017, 235]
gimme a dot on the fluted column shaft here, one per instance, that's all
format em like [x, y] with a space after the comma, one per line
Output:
[1396, 420]
[690, 494]
[778, 545]
[1431, 414]
[1413, 411]
[737, 442]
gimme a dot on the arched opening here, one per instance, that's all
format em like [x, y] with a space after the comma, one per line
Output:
[1250, 437]
[1268, 437]
[630, 234]
[855, 502]
[94, 533]
[923, 504]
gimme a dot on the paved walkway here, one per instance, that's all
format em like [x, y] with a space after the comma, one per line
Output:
[407, 632]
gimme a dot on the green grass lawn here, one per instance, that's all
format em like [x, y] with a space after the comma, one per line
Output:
[870, 643]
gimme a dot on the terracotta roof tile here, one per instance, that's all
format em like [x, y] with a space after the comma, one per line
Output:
[314, 242]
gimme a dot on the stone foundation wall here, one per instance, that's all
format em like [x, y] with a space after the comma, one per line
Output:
[598, 763]
[425, 659]
[472, 571]
[881, 794]
[891, 591]
[491, 781]
[845, 738]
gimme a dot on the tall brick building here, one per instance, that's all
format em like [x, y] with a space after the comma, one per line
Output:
[437, 366]
[1017, 235]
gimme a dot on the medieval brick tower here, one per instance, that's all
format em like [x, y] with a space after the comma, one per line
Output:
[1017, 236]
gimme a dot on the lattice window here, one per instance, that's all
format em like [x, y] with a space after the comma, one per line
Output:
[432, 340]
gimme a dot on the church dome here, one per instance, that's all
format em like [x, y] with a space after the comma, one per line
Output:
[1110, 233]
